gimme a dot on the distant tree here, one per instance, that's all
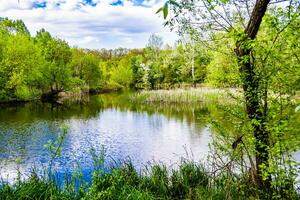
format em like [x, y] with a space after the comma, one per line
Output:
[155, 42]
[121, 76]
[85, 66]
[13, 26]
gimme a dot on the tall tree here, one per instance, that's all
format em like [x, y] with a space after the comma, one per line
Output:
[242, 20]
[57, 53]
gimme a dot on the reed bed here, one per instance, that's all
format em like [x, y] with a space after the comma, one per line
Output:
[192, 95]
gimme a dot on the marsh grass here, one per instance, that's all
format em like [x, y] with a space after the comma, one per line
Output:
[191, 95]
[186, 180]
[189, 180]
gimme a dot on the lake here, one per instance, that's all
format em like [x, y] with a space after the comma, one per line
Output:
[139, 132]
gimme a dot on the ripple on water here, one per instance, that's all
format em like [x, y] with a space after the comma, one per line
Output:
[139, 135]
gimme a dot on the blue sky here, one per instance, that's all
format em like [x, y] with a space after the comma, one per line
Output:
[92, 23]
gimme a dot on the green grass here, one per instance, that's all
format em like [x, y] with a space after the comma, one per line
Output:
[33, 188]
[192, 95]
[188, 181]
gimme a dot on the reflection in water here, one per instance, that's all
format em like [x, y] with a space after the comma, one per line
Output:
[139, 132]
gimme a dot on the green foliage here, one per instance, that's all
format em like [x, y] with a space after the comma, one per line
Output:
[20, 76]
[223, 71]
[121, 76]
[54, 147]
[263, 58]
[32, 67]
[34, 188]
[13, 27]
[57, 53]
[189, 180]
[85, 66]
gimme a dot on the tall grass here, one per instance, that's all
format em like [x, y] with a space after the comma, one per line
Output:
[192, 95]
[189, 181]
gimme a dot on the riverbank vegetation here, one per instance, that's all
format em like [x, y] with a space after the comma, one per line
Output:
[42, 66]
[32, 67]
[222, 44]
[193, 95]
[189, 180]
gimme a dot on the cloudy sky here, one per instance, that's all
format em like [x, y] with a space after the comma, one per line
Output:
[92, 23]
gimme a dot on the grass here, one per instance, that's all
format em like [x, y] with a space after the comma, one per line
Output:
[188, 181]
[192, 95]
[33, 188]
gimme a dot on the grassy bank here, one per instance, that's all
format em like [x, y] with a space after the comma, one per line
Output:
[191, 95]
[188, 181]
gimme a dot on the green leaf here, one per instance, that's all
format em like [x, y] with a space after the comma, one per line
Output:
[297, 109]
[159, 10]
[173, 2]
[166, 10]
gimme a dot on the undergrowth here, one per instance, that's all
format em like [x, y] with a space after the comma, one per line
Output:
[188, 181]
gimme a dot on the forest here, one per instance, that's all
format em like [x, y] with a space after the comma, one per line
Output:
[42, 65]
[33, 66]
[229, 86]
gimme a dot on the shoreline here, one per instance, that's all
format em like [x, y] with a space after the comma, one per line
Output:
[57, 98]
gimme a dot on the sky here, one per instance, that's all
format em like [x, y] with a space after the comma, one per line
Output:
[93, 24]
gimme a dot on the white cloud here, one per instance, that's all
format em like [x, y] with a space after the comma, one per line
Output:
[89, 26]
[6, 5]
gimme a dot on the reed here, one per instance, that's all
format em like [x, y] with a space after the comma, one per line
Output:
[192, 95]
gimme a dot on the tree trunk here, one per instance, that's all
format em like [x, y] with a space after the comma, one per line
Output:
[251, 87]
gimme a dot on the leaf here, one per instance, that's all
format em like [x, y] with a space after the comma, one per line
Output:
[297, 109]
[173, 2]
[166, 10]
[159, 10]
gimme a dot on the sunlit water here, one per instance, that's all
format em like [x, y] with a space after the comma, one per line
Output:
[142, 133]
[139, 133]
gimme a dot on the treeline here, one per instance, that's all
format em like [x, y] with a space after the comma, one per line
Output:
[38, 66]
[42, 65]
[31, 67]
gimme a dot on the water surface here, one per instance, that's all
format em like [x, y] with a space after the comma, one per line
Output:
[140, 133]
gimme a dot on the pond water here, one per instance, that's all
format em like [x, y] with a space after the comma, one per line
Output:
[139, 132]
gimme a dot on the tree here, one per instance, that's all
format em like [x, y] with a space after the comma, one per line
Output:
[86, 67]
[190, 51]
[121, 76]
[139, 72]
[223, 70]
[240, 20]
[13, 27]
[193, 59]
[20, 62]
[57, 53]
[155, 43]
